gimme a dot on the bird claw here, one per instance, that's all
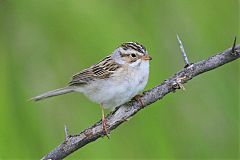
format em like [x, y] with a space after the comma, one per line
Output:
[139, 99]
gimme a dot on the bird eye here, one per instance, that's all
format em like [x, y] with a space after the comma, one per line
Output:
[133, 55]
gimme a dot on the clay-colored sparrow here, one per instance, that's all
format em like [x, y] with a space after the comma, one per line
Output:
[112, 81]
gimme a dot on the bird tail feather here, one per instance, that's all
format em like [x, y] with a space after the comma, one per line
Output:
[53, 93]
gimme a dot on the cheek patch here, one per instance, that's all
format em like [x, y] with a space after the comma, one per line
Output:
[133, 60]
[126, 59]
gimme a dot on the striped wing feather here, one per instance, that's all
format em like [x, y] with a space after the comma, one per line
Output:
[102, 70]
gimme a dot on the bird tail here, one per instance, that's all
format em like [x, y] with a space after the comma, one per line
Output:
[53, 93]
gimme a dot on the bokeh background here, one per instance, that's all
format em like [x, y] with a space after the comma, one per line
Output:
[43, 43]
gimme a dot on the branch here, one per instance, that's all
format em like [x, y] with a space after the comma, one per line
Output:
[122, 113]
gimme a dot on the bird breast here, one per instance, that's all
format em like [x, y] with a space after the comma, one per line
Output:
[120, 87]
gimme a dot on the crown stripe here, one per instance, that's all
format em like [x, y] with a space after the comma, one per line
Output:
[134, 45]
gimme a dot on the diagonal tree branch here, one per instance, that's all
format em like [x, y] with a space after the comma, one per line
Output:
[125, 111]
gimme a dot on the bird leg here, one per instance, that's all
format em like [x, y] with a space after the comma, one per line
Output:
[104, 122]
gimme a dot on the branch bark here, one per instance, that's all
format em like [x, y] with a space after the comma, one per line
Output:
[122, 113]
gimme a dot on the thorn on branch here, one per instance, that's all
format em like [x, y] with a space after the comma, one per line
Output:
[184, 55]
[234, 46]
[66, 132]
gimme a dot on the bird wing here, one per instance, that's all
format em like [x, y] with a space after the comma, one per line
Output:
[102, 70]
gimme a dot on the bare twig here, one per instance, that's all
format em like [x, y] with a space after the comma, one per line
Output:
[126, 111]
[184, 55]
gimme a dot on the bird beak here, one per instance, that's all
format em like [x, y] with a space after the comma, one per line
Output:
[147, 57]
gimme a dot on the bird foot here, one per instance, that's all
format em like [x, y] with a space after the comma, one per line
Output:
[139, 99]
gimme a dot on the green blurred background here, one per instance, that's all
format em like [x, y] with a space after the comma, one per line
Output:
[43, 43]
